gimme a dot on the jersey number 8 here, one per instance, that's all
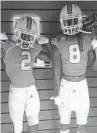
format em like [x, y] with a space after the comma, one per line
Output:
[74, 53]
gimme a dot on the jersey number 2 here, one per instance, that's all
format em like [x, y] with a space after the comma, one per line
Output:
[25, 62]
[74, 53]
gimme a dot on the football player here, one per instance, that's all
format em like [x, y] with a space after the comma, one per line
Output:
[19, 59]
[70, 53]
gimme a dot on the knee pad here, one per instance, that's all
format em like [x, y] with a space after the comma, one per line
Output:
[32, 120]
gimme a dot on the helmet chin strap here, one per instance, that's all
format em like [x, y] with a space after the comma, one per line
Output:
[85, 32]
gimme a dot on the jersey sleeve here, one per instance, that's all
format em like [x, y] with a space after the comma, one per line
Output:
[5, 46]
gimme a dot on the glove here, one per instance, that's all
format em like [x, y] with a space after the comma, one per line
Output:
[90, 22]
[57, 100]
[94, 43]
[43, 40]
[3, 36]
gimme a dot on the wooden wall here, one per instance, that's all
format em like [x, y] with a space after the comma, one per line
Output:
[49, 13]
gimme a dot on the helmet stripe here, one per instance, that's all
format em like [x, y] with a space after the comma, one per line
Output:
[69, 8]
[29, 22]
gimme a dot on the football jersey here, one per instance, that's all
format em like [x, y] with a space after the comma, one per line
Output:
[74, 61]
[19, 63]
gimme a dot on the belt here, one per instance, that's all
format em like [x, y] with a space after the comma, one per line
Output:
[73, 78]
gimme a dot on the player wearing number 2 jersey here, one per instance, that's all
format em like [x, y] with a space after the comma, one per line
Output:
[19, 63]
[19, 59]
[71, 52]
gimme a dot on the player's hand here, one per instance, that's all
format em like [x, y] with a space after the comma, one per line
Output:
[43, 40]
[54, 41]
[57, 100]
[90, 22]
[3, 36]
[94, 43]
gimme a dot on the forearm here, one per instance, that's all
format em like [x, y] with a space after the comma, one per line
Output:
[2, 49]
[57, 79]
[94, 45]
[44, 56]
[56, 62]
[94, 65]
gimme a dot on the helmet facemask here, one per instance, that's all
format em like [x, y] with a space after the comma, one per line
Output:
[71, 24]
[24, 39]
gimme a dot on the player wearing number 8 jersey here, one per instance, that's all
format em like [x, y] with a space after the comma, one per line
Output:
[70, 54]
[19, 59]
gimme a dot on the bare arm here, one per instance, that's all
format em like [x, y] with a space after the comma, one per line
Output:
[3, 44]
[94, 65]
[2, 49]
[56, 62]
[44, 56]
[44, 53]
[94, 46]
[92, 55]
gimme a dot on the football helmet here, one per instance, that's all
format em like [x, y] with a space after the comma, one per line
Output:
[26, 32]
[71, 19]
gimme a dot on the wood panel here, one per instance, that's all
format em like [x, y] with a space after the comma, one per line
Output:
[47, 15]
[46, 115]
[40, 84]
[45, 5]
[73, 130]
[50, 124]
[46, 94]
[44, 27]
[47, 105]
[92, 82]
[47, 73]
[48, 27]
